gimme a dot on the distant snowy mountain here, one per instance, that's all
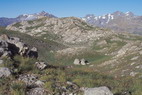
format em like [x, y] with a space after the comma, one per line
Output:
[106, 19]
[6, 21]
[118, 21]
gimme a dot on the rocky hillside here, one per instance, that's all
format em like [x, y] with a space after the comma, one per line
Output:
[118, 21]
[69, 30]
[24, 17]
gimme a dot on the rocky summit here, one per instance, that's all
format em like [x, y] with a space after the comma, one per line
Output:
[67, 56]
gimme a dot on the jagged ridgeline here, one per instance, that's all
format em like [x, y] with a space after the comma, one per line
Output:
[73, 58]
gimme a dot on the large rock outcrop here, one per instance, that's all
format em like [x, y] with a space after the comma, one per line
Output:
[10, 46]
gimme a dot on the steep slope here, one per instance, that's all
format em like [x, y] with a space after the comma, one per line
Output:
[25, 17]
[118, 21]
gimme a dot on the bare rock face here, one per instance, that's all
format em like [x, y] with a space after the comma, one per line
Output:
[98, 91]
[4, 72]
[41, 65]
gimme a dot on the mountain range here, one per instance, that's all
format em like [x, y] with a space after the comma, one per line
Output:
[24, 17]
[117, 21]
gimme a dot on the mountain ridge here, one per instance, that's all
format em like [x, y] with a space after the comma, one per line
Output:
[117, 21]
[4, 21]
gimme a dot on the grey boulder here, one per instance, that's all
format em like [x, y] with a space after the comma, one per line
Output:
[41, 65]
[98, 91]
[4, 72]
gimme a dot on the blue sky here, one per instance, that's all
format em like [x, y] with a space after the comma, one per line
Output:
[65, 8]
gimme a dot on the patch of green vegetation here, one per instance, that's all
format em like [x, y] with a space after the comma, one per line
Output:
[34, 27]
[17, 24]
[18, 88]
[49, 36]
[31, 22]
[91, 56]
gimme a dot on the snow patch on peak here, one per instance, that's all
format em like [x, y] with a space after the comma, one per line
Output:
[129, 13]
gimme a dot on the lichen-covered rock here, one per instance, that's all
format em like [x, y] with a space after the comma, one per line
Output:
[41, 65]
[29, 79]
[37, 91]
[4, 72]
[97, 91]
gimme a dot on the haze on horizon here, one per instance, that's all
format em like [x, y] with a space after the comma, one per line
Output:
[66, 8]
